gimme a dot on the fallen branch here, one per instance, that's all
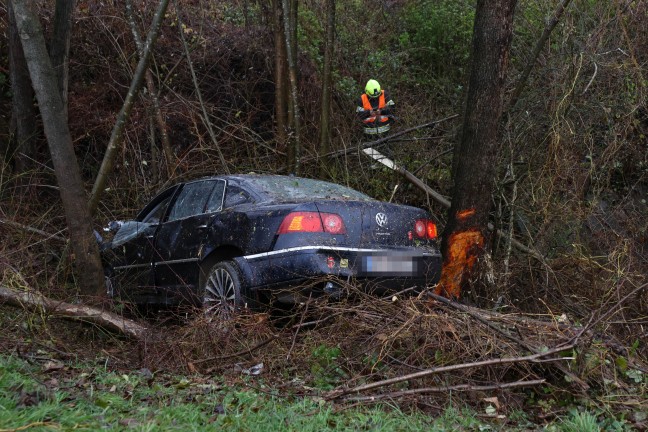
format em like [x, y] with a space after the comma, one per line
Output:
[443, 200]
[535, 358]
[35, 301]
[444, 389]
[382, 141]
[583, 385]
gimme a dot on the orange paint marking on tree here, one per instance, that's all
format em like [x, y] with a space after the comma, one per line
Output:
[465, 214]
[460, 258]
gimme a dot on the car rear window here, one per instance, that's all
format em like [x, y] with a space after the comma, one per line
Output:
[288, 189]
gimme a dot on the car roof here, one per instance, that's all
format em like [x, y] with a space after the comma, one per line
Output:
[280, 188]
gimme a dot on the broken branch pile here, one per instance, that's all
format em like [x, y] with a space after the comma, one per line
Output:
[367, 349]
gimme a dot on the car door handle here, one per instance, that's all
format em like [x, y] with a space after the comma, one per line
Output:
[202, 226]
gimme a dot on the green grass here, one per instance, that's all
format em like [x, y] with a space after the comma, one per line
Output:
[42, 396]
[89, 398]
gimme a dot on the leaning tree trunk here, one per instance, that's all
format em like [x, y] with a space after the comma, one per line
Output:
[43, 76]
[23, 110]
[60, 47]
[280, 76]
[116, 137]
[550, 24]
[475, 159]
[153, 93]
[325, 112]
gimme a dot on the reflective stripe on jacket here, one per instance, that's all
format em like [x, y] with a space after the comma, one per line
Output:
[366, 104]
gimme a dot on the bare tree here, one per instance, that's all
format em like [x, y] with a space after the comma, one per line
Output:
[476, 156]
[325, 112]
[150, 85]
[290, 34]
[23, 110]
[43, 76]
[116, 137]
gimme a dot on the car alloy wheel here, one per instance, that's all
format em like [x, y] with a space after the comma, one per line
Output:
[222, 291]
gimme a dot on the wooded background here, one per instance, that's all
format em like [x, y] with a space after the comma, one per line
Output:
[240, 86]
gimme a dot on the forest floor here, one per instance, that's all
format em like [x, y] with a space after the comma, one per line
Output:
[359, 364]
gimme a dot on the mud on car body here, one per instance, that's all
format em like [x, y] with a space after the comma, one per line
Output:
[224, 241]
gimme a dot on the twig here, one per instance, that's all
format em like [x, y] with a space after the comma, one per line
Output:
[239, 353]
[301, 320]
[444, 389]
[32, 230]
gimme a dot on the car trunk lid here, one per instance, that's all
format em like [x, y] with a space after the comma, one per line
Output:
[374, 223]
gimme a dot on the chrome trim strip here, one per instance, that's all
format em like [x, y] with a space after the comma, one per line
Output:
[132, 266]
[323, 248]
[180, 261]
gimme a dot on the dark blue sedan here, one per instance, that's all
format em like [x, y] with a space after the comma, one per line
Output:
[227, 241]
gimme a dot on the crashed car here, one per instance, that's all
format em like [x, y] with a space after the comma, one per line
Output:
[226, 241]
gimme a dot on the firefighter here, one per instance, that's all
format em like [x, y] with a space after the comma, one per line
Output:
[375, 110]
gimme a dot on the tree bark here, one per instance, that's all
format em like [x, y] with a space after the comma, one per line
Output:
[475, 158]
[280, 75]
[325, 111]
[116, 137]
[60, 47]
[87, 262]
[23, 109]
[36, 302]
[290, 32]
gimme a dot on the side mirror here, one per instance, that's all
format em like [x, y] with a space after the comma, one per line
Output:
[113, 226]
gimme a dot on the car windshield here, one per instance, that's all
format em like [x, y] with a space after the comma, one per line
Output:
[282, 189]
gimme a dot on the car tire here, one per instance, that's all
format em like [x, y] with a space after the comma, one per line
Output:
[221, 289]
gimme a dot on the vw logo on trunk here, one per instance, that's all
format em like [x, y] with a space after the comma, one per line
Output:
[381, 219]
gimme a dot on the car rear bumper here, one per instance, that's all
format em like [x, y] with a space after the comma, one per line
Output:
[376, 269]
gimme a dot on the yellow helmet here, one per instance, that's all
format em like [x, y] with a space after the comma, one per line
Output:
[372, 88]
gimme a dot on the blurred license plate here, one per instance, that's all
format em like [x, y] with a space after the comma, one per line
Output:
[396, 265]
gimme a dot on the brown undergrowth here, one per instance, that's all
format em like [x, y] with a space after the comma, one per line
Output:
[341, 349]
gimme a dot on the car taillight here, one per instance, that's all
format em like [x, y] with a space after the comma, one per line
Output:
[425, 229]
[431, 230]
[333, 223]
[312, 222]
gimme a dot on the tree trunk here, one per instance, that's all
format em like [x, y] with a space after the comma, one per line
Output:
[120, 124]
[290, 24]
[34, 301]
[23, 109]
[60, 47]
[280, 75]
[88, 265]
[325, 111]
[475, 159]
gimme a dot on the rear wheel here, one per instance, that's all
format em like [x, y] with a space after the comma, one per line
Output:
[221, 290]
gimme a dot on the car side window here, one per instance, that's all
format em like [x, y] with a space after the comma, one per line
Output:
[155, 216]
[236, 196]
[215, 202]
[191, 200]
